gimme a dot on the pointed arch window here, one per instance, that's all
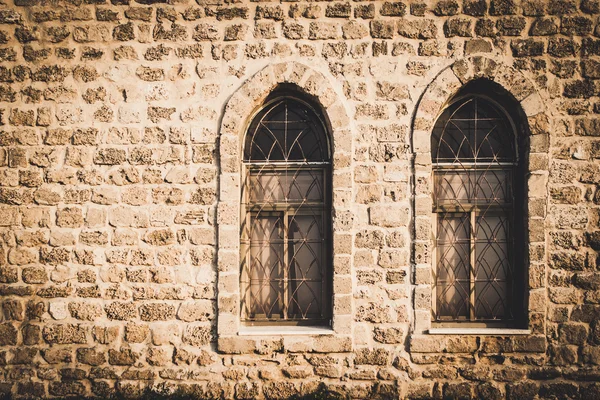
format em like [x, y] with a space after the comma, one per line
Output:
[477, 202]
[286, 225]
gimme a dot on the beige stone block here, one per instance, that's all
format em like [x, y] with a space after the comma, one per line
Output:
[198, 310]
[342, 324]
[228, 324]
[537, 230]
[229, 237]
[423, 162]
[536, 184]
[342, 304]
[124, 237]
[179, 174]
[342, 264]
[22, 256]
[423, 205]
[533, 104]
[423, 275]
[423, 228]
[182, 274]
[58, 310]
[368, 194]
[122, 216]
[342, 140]
[207, 275]
[366, 173]
[9, 216]
[393, 258]
[297, 344]
[95, 217]
[228, 260]
[161, 216]
[332, 344]
[422, 141]
[427, 343]
[395, 173]
[112, 274]
[562, 295]
[105, 195]
[422, 299]
[228, 213]
[229, 187]
[537, 300]
[343, 221]
[342, 179]
[202, 255]
[362, 334]
[342, 243]
[422, 321]
[338, 117]
[165, 333]
[229, 283]
[390, 216]
[229, 304]
[342, 198]
[60, 238]
[341, 160]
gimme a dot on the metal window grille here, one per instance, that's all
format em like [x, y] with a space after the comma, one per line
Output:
[474, 162]
[286, 231]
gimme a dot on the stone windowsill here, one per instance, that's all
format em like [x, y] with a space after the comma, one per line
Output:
[479, 331]
[288, 330]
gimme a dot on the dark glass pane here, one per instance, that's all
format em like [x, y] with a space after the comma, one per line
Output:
[263, 278]
[286, 130]
[280, 186]
[472, 186]
[453, 261]
[492, 270]
[473, 130]
[306, 265]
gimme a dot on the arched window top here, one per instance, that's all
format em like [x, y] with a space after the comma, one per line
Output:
[474, 129]
[287, 129]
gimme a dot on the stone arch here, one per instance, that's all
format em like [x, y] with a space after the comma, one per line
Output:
[238, 112]
[429, 107]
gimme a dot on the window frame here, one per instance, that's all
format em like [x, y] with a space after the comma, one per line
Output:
[247, 208]
[516, 213]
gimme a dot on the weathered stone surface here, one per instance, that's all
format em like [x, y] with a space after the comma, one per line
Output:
[122, 127]
[121, 311]
[65, 334]
[90, 356]
[157, 312]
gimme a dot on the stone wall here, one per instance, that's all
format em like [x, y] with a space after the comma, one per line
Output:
[120, 131]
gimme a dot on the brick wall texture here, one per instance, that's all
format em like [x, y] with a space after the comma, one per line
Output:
[120, 131]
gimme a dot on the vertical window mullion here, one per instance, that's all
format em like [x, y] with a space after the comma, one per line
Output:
[473, 262]
[286, 266]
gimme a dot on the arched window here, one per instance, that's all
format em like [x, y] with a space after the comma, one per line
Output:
[286, 215]
[478, 205]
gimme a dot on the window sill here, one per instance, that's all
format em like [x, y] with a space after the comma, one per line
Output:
[285, 331]
[478, 331]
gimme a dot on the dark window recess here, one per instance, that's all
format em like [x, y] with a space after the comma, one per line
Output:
[286, 229]
[475, 167]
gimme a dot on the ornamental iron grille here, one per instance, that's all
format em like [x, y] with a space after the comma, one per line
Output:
[475, 158]
[286, 229]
